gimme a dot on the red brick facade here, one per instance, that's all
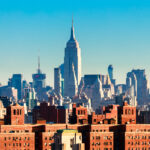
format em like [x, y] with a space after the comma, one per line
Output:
[105, 137]
[99, 134]
[109, 116]
[16, 137]
[15, 115]
[79, 115]
[50, 113]
[112, 114]
[126, 114]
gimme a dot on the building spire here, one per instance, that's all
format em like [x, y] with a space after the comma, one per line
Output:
[39, 71]
[38, 62]
[72, 37]
[72, 20]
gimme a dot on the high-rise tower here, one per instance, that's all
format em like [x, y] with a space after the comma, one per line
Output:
[16, 82]
[39, 82]
[110, 72]
[57, 81]
[72, 58]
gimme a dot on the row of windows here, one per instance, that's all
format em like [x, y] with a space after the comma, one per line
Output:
[139, 143]
[16, 144]
[16, 131]
[17, 112]
[139, 130]
[105, 137]
[16, 138]
[46, 144]
[81, 112]
[50, 138]
[139, 148]
[129, 111]
[16, 149]
[99, 130]
[138, 137]
[98, 143]
[101, 149]
[96, 137]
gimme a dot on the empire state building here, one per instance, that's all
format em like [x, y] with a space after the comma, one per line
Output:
[72, 66]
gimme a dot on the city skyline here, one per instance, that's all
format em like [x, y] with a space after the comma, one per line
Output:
[26, 30]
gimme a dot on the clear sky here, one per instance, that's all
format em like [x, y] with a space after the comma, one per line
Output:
[108, 31]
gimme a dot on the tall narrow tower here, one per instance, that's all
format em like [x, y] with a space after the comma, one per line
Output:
[39, 83]
[72, 57]
[110, 72]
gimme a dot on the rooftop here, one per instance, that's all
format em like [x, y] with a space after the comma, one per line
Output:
[67, 131]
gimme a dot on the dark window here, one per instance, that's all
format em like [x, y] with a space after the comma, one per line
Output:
[14, 112]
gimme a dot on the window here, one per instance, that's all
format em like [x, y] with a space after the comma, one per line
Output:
[129, 111]
[18, 112]
[14, 112]
[105, 143]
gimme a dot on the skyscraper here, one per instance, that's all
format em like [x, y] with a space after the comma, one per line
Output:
[110, 73]
[97, 94]
[16, 82]
[142, 86]
[57, 81]
[131, 88]
[39, 82]
[72, 62]
[30, 98]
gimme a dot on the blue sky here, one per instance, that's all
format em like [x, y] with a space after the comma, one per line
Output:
[108, 31]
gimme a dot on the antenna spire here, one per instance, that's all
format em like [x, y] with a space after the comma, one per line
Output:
[72, 37]
[39, 64]
[72, 20]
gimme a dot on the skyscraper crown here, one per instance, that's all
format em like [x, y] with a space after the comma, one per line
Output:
[72, 37]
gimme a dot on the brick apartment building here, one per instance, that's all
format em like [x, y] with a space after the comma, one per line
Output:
[79, 115]
[50, 113]
[15, 115]
[112, 114]
[16, 135]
